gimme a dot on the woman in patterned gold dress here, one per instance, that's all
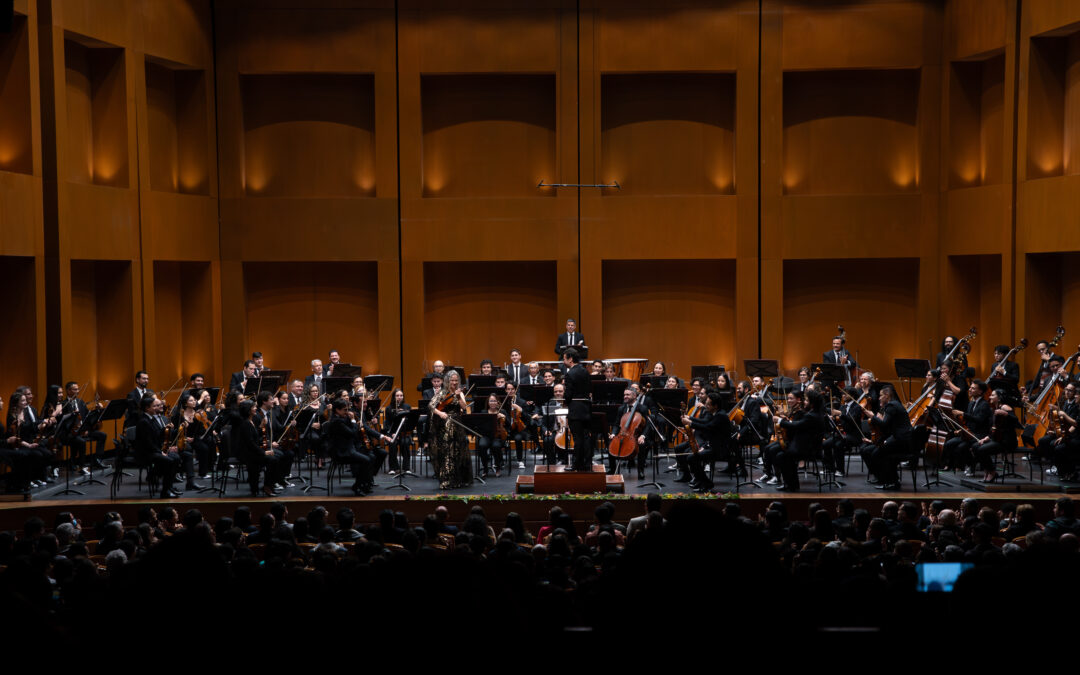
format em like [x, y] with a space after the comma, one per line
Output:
[450, 443]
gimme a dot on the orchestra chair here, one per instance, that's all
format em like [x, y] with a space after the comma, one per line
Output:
[919, 437]
[124, 456]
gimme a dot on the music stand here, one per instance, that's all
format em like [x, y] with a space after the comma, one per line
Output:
[484, 425]
[654, 381]
[408, 422]
[539, 394]
[332, 385]
[482, 393]
[114, 410]
[283, 374]
[482, 380]
[708, 372]
[609, 392]
[380, 382]
[598, 426]
[345, 370]
[460, 372]
[783, 385]
[763, 368]
[831, 373]
[909, 369]
[255, 385]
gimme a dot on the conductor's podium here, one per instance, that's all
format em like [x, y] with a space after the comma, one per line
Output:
[551, 480]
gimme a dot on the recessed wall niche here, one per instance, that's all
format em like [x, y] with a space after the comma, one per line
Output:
[177, 126]
[97, 120]
[16, 151]
[18, 344]
[977, 122]
[851, 131]
[1053, 129]
[1052, 297]
[660, 309]
[183, 318]
[878, 311]
[668, 133]
[507, 120]
[298, 311]
[101, 321]
[974, 299]
[480, 310]
[309, 134]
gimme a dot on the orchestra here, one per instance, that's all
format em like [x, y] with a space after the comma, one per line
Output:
[822, 416]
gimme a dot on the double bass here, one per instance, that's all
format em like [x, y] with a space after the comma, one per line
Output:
[632, 424]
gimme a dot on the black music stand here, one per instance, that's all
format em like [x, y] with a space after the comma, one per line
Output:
[597, 428]
[345, 370]
[92, 419]
[482, 393]
[708, 372]
[255, 385]
[538, 394]
[116, 409]
[380, 382]
[763, 368]
[482, 380]
[460, 372]
[283, 374]
[332, 385]
[1008, 387]
[831, 375]
[214, 393]
[484, 425]
[609, 392]
[782, 385]
[408, 422]
[654, 381]
[672, 403]
[909, 369]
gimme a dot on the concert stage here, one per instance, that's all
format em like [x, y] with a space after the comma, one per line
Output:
[498, 497]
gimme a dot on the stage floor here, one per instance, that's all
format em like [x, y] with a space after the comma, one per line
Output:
[1032, 480]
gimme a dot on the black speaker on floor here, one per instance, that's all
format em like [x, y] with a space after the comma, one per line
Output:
[7, 16]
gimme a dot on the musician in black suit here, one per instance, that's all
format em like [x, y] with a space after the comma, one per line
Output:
[571, 338]
[804, 438]
[579, 406]
[316, 376]
[840, 356]
[1064, 449]
[239, 380]
[846, 435]
[150, 434]
[77, 408]
[247, 440]
[632, 403]
[516, 370]
[714, 429]
[340, 434]
[1009, 370]
[134, 399]
[260, 365]
[894, 426]
[436, 385]
[956, 453]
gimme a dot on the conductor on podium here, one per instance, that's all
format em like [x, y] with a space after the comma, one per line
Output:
[579, 406]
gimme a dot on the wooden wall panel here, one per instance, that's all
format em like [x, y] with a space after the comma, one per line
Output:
[681, 312]
[19, 342]
[300, 312]
[16, 127]
[478, 310]
[309, 135]
[101, 318]
[878, 312]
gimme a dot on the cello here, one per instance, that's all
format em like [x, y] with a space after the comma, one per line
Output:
[632, 424]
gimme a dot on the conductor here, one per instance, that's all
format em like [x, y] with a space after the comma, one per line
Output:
[579, 406]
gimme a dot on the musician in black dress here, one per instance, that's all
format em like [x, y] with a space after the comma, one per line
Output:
[894, 427]
[495, 444]
[515, 405]
[1002, 436]
[27, 457]
[187, 421]
[579, 406]
[394, 428]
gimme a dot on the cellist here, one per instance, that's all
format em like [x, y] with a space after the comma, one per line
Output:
[629, 406]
